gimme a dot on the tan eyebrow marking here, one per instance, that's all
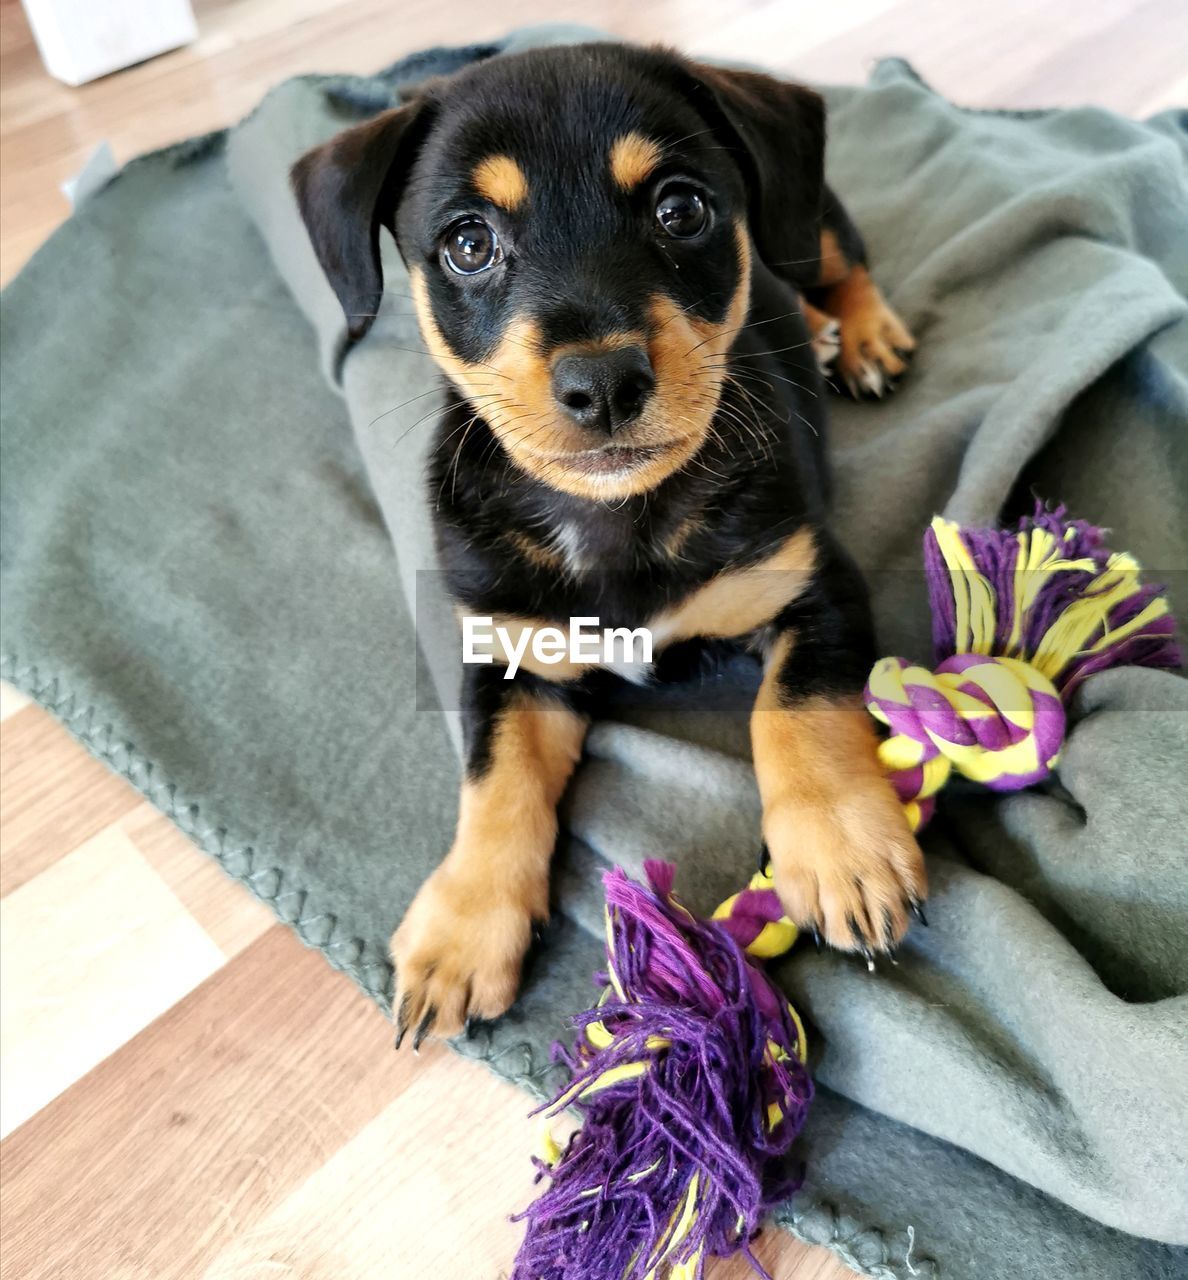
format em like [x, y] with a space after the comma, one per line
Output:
[500, 180]
[633, 158]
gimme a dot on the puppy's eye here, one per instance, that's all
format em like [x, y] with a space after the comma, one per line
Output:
[682, 213]
[470, 247]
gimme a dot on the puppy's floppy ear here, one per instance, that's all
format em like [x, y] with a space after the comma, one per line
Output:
[346, 190]
[777, 131]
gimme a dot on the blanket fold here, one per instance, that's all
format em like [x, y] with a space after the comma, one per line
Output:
[218, 565]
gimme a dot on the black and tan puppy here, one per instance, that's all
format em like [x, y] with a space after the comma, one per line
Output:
[625, 265]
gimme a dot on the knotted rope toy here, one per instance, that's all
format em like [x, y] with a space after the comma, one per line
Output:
[690, 1072]
[1019, 621]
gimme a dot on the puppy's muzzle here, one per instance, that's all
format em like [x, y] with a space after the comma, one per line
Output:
[604, 392]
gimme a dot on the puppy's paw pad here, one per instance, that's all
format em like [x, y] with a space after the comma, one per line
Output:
[458, 956]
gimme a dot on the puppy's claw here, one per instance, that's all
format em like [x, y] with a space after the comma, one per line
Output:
[917, 910]
[888, 930]
[870, 375]
[401, 1023]
[815, 934]
[856, 932]
[423, 1029]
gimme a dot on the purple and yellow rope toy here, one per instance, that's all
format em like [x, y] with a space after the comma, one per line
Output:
[690, 1072]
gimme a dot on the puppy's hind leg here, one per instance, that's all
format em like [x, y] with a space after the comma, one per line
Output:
[875, 343]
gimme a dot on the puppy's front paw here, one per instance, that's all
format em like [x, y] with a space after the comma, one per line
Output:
[458, 953]
[846, 864]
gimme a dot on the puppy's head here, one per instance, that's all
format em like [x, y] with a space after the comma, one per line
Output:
[578, 227]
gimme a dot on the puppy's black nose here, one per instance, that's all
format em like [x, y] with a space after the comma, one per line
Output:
[604, 392]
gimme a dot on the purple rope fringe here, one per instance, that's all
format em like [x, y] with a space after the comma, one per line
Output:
[700, 1107]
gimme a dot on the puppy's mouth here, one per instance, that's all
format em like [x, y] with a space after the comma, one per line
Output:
[611, 459]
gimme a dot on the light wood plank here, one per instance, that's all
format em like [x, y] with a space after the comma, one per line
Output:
[443, 1213]
[225, 909]
[53, 795]
[970, 52]
[186, 1136]
[778, 34]
[1070, 72]
[12, 700]
[1167, 97]
[91, 950]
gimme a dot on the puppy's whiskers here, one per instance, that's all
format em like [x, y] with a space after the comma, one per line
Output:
[751, 324]
[732, 371]
[413, 426]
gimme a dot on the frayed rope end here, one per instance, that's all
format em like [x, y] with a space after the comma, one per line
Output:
[690, 1078]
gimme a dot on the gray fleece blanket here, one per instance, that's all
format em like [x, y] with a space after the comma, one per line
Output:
[218, 586]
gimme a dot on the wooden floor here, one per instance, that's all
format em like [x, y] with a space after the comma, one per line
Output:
[186, 1091]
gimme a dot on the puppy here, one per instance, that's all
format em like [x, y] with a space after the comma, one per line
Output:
[625, 265]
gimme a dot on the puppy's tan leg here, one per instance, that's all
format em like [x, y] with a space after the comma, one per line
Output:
[459, 950]
[843, 858]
